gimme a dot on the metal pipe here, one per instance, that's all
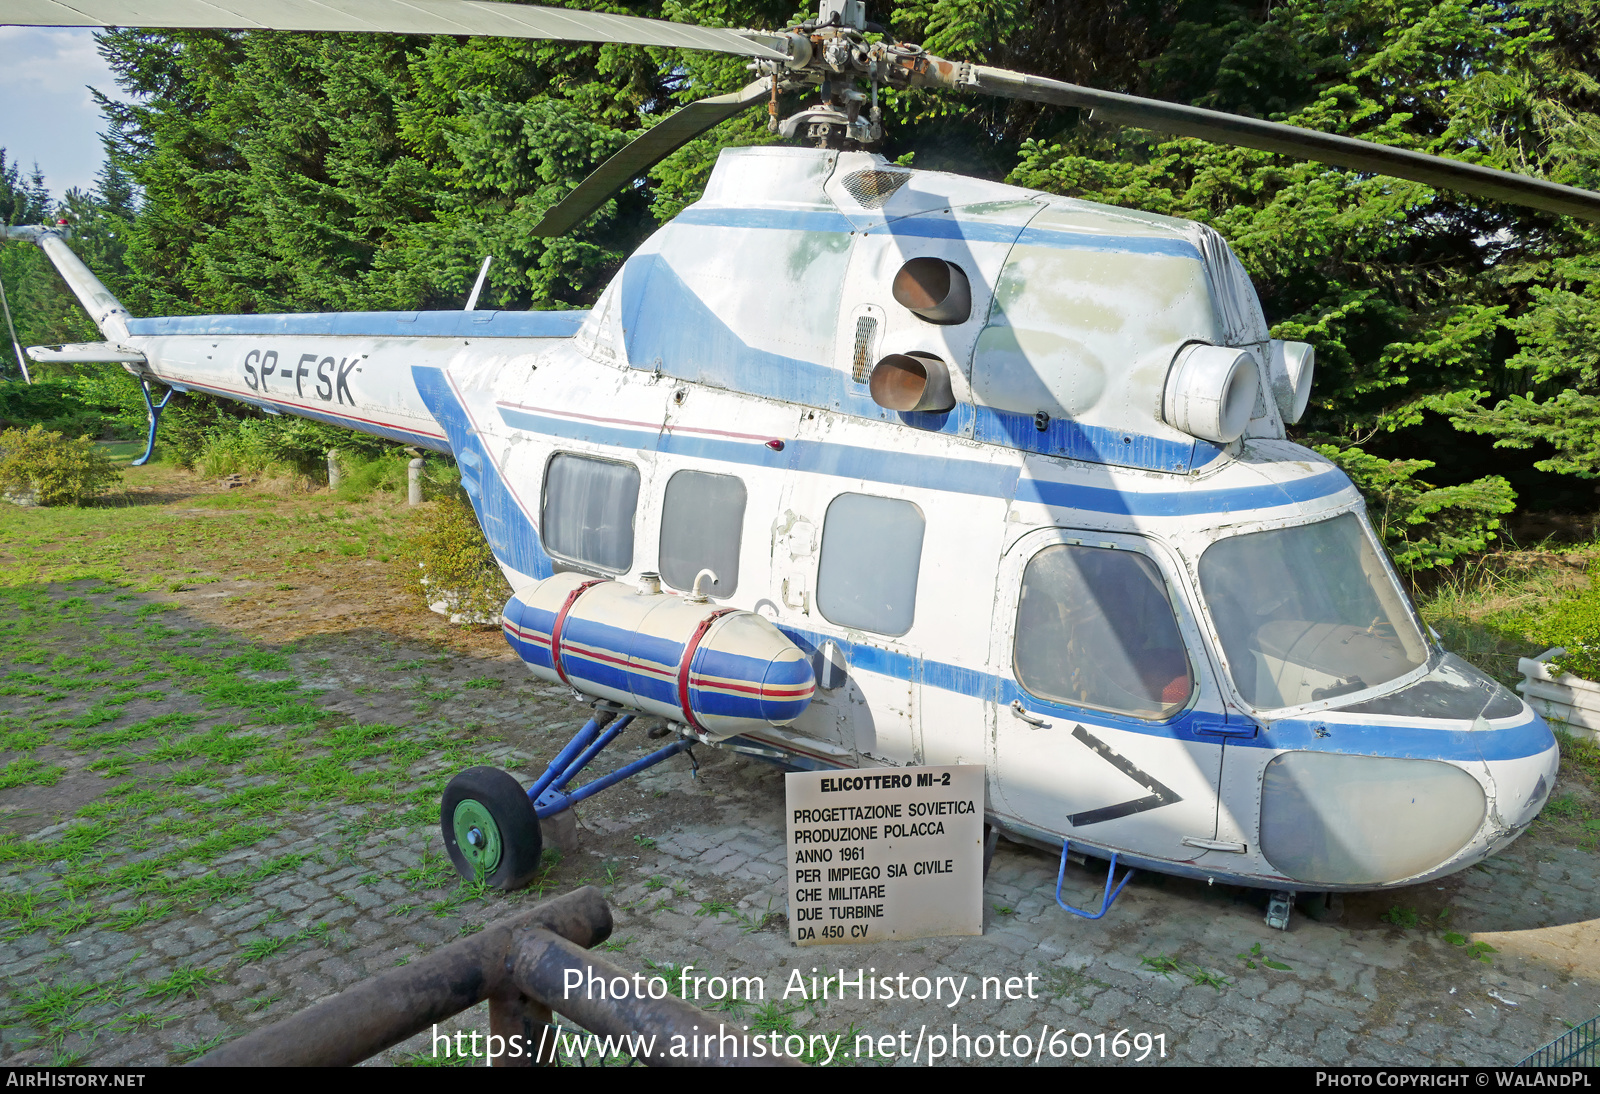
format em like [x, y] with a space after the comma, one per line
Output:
[153, 414]
[376, 1014]
[544, 964]
[16, 346]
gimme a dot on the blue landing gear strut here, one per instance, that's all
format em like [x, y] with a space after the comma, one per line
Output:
[549, 794]
[1107, 898]
[490, 825]
[153, 412]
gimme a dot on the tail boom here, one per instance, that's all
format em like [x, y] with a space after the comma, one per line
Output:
[351, 369]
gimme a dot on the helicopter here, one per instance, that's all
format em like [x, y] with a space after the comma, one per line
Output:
[856, 466]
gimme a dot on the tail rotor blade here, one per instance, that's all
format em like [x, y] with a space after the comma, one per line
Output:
[644, 152]
[1288, 140]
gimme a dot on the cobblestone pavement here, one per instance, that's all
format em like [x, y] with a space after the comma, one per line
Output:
[694, 865]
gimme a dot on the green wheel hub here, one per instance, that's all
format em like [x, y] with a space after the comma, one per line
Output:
[477, 836]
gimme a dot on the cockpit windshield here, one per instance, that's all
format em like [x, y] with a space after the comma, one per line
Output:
[1308, 613]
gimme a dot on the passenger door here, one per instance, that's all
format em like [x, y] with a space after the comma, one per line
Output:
[1103, 697]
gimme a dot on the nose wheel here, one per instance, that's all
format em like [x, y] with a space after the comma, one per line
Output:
[490, 829]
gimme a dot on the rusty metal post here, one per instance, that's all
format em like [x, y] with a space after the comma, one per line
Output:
[512, 1014]
[376, 1014]
[540, 962]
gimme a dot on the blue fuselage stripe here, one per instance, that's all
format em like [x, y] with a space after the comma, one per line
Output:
[935, 473]
[1528, 738]
[372, 324]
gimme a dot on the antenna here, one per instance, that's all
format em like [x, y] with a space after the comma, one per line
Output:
[15, 345]
[483, 272]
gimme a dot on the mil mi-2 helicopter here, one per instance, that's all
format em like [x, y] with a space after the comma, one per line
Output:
[858, 466]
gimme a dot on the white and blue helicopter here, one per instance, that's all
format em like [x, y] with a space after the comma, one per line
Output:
[858, 466]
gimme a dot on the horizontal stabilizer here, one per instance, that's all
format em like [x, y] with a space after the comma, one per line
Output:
[83, 353]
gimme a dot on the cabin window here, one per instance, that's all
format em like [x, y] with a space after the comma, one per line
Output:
[1095, 628]
[588, 510]
[871, 552]
[702, 523]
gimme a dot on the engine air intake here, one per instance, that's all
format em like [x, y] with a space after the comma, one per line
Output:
[1211, 392]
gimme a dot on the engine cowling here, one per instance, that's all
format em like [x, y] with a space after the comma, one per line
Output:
[722, 671]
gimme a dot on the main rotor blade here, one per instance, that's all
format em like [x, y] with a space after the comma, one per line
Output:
[1288, 140]
[644, 152]
[465, 17]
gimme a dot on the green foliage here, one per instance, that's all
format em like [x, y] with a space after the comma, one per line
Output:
[1166, 965]
[308, 172]
[449, 559]
[1404, 918]
[44, 311]
[52, 469]
[100, 401]
[1573, 623]
[1424, 526]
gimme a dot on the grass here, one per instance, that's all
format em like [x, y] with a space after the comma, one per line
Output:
[183, 982]
[193, 744]
[193, 1050]
[1073, 984]
[1490, 610]
[1197, 974]
[1404, 918]
[60, 1008]
[1255, 955]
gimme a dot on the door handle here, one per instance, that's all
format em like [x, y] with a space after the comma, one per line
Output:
[1034, 720]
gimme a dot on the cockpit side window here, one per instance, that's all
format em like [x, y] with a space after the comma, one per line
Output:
[1308, 613]
[1095, 628]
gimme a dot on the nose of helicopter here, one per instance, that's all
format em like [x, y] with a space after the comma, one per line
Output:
[1406, 787]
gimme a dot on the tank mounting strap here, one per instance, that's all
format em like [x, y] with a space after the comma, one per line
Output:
[689, 650]
[1106, 899]
[561, 622]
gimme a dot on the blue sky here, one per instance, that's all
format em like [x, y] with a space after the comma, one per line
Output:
[48, 115]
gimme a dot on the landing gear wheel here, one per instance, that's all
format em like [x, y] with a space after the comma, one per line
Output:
[490, 829]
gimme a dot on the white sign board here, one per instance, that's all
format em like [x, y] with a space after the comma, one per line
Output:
[885, 853]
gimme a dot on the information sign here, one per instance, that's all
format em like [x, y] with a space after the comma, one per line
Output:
[885, 853]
